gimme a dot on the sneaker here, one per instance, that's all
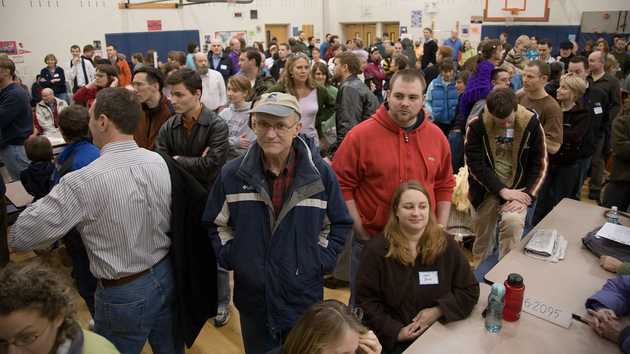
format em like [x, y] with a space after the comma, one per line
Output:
[222, 317]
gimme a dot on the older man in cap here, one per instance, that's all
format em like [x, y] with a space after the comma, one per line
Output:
[281, 221]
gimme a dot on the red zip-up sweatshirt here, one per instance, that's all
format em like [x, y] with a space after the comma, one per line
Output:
[377, 156]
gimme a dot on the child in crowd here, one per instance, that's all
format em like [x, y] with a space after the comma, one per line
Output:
[36, 179]
[441, 98]
[461, 81]
[236, 116]
[517, 55]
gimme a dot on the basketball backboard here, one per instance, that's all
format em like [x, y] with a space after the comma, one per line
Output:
[516, 10]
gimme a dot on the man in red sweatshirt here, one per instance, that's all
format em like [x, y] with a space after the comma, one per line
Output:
[397, 144]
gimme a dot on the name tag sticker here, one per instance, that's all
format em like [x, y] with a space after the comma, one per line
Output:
[428, 278]
[598, 110]
[547, 312]
[223, 67]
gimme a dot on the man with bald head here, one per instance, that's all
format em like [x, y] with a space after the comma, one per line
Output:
[213, 94]
[220, 61]
[47, 115]
[610, 85]
[455, 43]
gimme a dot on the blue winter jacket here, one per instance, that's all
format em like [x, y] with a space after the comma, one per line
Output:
[279, 264]
[615, 295]
[442, 100]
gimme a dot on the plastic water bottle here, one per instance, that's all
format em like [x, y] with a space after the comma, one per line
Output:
[613, 215]
[494, 311]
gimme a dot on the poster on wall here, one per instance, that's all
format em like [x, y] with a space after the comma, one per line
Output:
[8, 48]
[416, 18]
[154, 25]
[224, 37]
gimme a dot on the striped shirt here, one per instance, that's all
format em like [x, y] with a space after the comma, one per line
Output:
[121, 205]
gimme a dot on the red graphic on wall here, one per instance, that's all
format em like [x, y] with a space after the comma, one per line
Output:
[154, 25]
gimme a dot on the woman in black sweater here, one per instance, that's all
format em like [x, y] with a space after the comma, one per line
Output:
[53, 77]
[578, 142]
[413, 275]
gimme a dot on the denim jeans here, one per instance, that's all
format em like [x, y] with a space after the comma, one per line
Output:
[456, 141]
[129, 314]
[257, 339]
[357, 249]
[15, 160]
[223, 288]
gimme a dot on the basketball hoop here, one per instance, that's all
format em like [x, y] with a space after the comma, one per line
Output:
[511, 13]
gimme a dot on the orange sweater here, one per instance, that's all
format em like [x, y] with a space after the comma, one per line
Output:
[124, 73]
[377, 156]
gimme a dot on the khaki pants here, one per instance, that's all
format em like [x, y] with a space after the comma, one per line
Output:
[510, 229]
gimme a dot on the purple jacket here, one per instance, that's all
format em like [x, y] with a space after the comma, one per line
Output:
[615, 295]
[478, 87]
[234, 58]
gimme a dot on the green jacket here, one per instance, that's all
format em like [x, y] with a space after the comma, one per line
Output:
[621, 149]
[325, 101]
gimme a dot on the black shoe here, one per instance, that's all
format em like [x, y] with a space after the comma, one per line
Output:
[334, 283]
[222, 318]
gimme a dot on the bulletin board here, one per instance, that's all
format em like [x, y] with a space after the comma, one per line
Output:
[162, 42]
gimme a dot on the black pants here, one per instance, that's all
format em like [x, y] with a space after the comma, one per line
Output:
[617, 193]
[560, 183]
[85, 281]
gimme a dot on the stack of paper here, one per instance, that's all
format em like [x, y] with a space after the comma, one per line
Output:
[546, 245]
[615, 232]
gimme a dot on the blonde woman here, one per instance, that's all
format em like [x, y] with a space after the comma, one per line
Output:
[317, 105]
[330, 328]
[578, 143]
[414, 274]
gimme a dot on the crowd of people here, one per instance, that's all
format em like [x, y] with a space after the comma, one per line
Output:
[285, 165]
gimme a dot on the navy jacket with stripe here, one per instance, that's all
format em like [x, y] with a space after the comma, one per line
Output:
[278, 263]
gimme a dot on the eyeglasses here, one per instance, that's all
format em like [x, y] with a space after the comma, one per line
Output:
[21, 340]
[280, 128]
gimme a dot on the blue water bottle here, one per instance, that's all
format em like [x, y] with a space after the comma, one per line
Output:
[494, 311]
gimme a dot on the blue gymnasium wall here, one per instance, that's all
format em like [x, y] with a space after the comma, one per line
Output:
[161, 41]
[555, 34]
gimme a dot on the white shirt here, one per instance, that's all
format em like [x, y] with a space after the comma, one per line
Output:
[77, 71]
[213, 94]
[309, 108]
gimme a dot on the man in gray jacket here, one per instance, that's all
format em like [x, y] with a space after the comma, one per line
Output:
[355, 101]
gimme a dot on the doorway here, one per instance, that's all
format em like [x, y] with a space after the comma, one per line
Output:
[365, 31]
[393, 30]
[280, 32]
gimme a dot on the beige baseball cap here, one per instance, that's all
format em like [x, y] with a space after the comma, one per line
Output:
[277, 104]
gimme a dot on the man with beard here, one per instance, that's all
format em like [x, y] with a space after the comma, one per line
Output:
[214, 95]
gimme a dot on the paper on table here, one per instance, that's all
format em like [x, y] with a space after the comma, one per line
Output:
[614, 232]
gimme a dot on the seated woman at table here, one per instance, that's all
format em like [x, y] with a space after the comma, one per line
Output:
[607, 306]
[330, 328]
[414, 274]
[37, 314]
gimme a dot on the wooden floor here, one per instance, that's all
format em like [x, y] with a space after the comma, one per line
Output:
[224, 340]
